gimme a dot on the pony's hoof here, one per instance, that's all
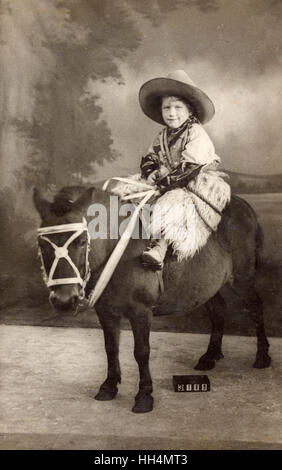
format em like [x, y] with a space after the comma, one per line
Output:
[105, 394]
[262, 362]
[205, 364]
[143, 404]
[219, 356]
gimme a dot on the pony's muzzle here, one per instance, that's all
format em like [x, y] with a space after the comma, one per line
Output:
[65, 297]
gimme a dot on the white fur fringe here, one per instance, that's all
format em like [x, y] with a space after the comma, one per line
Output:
[180, 216]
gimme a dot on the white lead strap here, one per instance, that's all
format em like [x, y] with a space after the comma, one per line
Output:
[117, 253]
[142, 185]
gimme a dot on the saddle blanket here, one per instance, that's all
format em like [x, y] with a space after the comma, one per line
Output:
[182, 216]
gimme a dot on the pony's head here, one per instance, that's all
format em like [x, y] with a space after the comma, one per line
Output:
[64, 243]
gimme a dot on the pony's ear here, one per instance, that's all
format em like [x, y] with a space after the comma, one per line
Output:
[42, 206]
[85, 199]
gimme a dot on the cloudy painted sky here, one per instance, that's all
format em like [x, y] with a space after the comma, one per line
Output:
[232, 50]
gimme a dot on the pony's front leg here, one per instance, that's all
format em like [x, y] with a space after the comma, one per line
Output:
[140, 321]
[111, 327]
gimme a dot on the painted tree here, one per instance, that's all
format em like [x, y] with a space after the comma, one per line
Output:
[66, 43]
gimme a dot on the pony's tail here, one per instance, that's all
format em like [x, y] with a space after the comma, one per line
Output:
[259, 247]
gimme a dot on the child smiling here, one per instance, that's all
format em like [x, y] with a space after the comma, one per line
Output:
[182, 107]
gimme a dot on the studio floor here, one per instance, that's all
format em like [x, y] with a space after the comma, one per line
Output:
[50, 375]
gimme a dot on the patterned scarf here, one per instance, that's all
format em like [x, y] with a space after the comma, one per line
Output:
[174, 134]
[171, 137]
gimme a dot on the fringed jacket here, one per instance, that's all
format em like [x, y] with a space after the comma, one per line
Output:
[189, 144]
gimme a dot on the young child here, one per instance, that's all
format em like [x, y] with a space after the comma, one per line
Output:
[182, 107]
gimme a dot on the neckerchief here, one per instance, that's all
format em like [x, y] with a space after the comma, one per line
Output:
[170, 136]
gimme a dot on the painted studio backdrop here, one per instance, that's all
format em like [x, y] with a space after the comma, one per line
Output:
[69, 114]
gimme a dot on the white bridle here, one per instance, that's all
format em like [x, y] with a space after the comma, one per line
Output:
[61, 252]
[79, 228]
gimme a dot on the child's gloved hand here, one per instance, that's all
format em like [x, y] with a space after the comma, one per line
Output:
[157, 174]
[163, 171]
[153, 177]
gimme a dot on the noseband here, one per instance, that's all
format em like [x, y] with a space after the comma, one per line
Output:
[61, 252]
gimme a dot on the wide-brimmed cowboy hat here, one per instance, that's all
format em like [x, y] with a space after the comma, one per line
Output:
[179, 84]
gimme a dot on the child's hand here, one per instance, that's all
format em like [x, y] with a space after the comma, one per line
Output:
[163, 171]
[153, 177]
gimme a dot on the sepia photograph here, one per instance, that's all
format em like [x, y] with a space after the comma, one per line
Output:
[140, 227]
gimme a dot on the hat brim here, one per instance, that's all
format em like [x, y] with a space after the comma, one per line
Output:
[152, 91]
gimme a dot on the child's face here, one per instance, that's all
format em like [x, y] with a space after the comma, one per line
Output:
[174, 111]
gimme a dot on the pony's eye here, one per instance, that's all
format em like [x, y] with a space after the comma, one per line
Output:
[79, 243]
